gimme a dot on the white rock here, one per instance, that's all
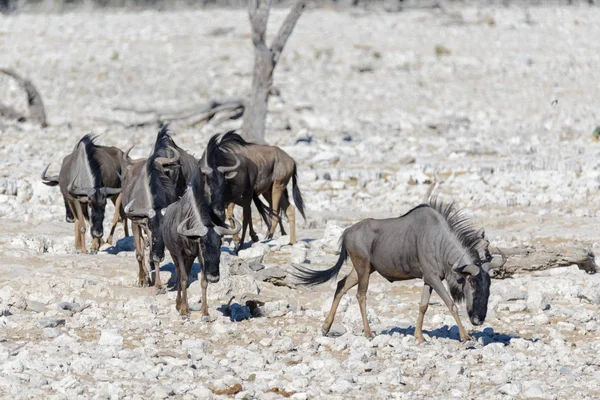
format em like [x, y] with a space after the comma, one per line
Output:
[331, 237]
[110, 337]
[298, 255]
[256, 251]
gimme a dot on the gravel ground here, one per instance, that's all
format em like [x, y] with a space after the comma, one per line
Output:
[498, 104]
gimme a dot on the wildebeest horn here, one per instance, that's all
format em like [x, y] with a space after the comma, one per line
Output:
[150, 213]
[470, 269]
[229, 231]
[201, 231]
[232, 168]
[111, 191]
[495, 263]
[78, 192]
[165, 160]
[126, 157]
[206, 170]
[49, 180]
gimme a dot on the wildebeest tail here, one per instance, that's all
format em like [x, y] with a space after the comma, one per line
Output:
[297, 194]
[265, 212]
[309, 277]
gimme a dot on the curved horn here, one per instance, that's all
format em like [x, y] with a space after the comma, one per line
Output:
[149, 213]
[202, 231]
[111, 191]
[165, 160]
[495, 263]
[206, 170]
[232, 168]
[126, 157]
[49, 180]
[78, 192]
[229, 231]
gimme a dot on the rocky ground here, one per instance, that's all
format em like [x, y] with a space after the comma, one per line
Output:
[497, 104]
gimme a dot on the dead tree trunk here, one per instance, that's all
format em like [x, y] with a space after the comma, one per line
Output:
[531, 260]
[265, 61]
[37, 112]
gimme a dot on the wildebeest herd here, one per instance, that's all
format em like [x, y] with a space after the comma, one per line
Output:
[178, 202]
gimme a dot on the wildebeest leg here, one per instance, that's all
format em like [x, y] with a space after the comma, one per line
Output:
[68, 212]
[79, 226]
[177, 260]
[277, 191]
[138, 239]
[425, 295]
[439, 288]
[204, 308]
[230, 207]
[157, 283]
[184, 271]
[117, 203]
[364, 270]
[343, 286]
[290, 211]
[247, 217]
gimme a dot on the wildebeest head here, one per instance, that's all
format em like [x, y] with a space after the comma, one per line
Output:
[217, 166]
[154, 191]
[87, 186]
[198, 227]
[476, 285]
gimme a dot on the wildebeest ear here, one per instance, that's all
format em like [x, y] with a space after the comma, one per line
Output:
[470, 269]
[481, 233]
[230, 175]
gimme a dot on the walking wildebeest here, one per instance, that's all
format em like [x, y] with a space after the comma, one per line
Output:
[432, 241]
[147, 190]
[239, 187]
[87, 177]
[189, 233]
[275, 169]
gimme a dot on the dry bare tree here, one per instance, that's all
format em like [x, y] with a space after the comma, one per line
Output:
[265, 61]
[254, 107]
[37, 112]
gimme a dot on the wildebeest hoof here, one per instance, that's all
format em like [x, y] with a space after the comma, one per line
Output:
[161, 291]
[324, 332]
[185, 317]
[205, 318]
[93, 251]
[254, 238]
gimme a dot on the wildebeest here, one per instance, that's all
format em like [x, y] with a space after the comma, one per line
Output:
[189, 233]
[239, 187]
[87, 177]
[432, 241]
[147, 190]
[275, 169]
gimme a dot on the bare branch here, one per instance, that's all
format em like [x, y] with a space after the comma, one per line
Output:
[258, 11]
[286, 30]
[524, 260]
[37, 112]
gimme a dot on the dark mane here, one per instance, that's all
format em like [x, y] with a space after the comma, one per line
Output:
[459, 224]
[196, 188]
[216, 152]
[90, 150]
[161, 187]
[232, 138]
[413, 209]
[163, 140]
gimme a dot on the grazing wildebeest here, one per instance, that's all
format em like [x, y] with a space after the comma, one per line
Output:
[189, 233]
[87, 177]
[432, 241]
[239, 185]
[275, 169]
[147, 190]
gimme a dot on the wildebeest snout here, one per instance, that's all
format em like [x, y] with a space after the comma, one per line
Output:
[212, 278]
[476, 321]
[97, 233]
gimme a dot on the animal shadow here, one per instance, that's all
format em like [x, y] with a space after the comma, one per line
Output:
[488, 336]
[172, 281]
[124, 244]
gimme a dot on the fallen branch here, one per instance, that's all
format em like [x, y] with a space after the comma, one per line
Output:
[37, 112]
[524, 260]
[199, 114]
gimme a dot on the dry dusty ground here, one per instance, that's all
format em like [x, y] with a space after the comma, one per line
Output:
[498, 103]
